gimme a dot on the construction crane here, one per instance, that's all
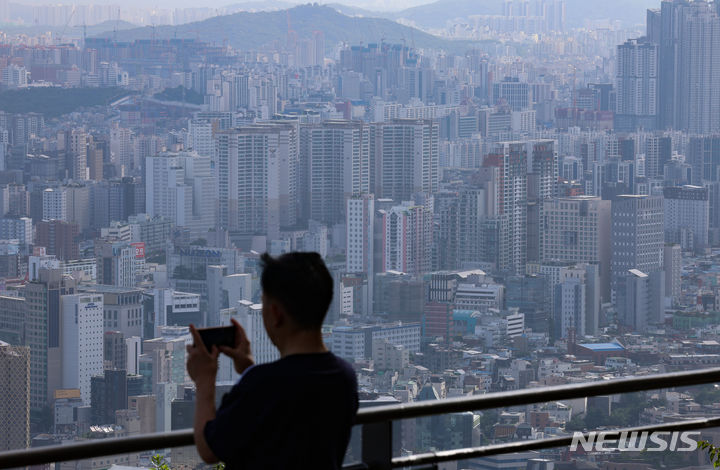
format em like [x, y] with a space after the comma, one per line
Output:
[67, 23]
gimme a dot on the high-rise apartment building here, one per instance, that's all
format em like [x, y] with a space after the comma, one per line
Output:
[688, 35]
[54, 204]
[181, 187]
[336, 161]
[477, 225]
[407, 236]
[121, 147]
[407, 158]
[20, 229]
[515, 93]
[512, 160]
[658, 152]
[703, 155]
[257, 174]
[672, 260]
[77, 153]
[360, 234]
[637, 87]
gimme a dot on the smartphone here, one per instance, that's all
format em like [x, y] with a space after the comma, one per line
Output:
[218, 336]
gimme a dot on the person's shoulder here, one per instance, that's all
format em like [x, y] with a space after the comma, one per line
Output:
[347, 369]
[342, 362]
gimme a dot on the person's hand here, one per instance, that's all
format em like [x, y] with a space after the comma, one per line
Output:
[202, 365]
[241, 354]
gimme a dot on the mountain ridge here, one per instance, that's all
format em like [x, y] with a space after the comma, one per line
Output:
[252, 30]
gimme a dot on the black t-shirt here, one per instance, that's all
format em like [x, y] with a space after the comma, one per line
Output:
[295, 412]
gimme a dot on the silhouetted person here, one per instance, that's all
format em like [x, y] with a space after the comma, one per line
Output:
[295, 412]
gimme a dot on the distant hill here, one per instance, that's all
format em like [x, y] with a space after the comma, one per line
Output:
[263, 5]
[252, 30]
[355, 11]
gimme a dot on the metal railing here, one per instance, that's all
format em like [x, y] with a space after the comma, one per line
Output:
[377, 421]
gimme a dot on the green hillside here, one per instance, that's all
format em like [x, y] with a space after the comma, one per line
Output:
[54, 102]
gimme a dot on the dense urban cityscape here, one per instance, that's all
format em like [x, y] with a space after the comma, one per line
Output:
[509, 194]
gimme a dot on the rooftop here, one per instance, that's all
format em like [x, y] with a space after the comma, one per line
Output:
[603, 346]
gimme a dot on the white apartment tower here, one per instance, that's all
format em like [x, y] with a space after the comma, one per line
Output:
[181, 187]
[81, 341]
[55, 205]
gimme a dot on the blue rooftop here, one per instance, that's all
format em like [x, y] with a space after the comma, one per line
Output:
[603, 346]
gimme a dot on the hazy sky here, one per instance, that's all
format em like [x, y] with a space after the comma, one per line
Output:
[381, 5]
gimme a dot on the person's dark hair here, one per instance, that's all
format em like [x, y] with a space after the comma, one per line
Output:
[301, 283]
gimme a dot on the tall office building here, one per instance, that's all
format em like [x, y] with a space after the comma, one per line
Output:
[688, 35]
[687, 217]
[109, 393]
[61, 239]
[14, 397]
[637, 259]
[407, 158]
[637, 88]
[257, 171]
[637, 234]
[81, 341]
[122, 309]
[577, 229]
[115, 350]
[511, 158]
[42, 331]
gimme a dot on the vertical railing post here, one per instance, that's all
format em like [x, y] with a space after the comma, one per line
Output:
[377, 445]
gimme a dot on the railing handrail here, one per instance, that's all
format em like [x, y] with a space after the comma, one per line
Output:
[529, 396]
[548, 443]
[180, 438]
